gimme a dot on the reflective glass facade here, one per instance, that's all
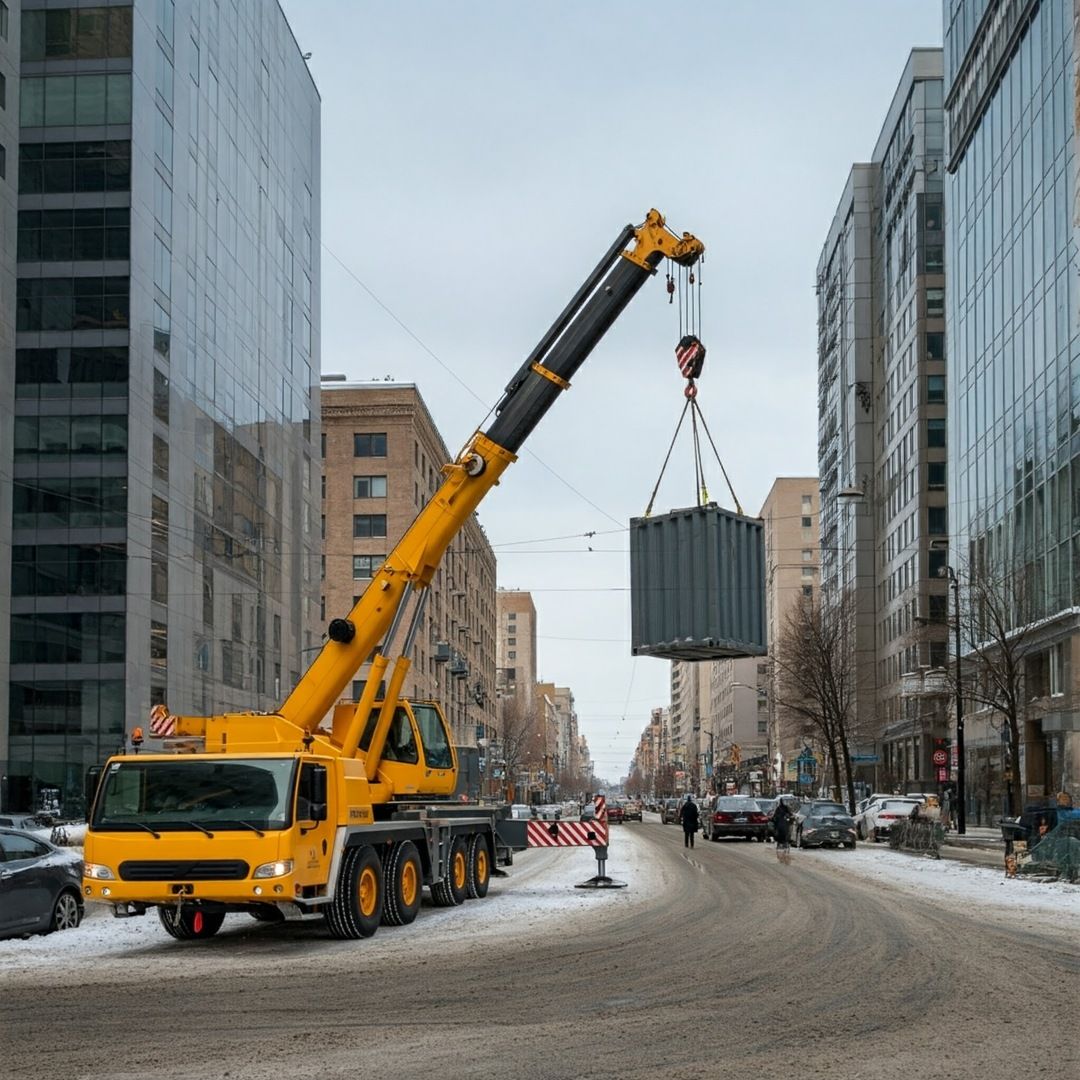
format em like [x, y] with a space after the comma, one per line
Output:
[1014, 347]
[164, 442]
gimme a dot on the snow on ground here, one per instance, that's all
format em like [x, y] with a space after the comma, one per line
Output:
[946, 879]
[539, 892]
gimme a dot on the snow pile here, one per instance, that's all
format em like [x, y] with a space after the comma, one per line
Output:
[949, 880]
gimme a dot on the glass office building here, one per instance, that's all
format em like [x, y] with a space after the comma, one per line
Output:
[1014, 343]
[164, 542]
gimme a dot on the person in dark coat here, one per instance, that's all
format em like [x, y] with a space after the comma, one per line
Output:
[688, 815]
[782, 824]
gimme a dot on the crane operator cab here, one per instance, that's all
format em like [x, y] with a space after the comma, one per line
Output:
[418, 756]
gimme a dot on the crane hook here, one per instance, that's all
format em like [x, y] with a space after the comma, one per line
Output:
[671, 289]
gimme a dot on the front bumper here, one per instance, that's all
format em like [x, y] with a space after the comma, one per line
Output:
[829, 837]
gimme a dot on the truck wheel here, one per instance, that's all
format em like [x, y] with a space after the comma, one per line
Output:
[404, 880]
[453, 888]
[190, 922]
[479, 867]
[357, 906]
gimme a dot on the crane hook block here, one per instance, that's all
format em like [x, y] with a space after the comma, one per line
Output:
[690, 354]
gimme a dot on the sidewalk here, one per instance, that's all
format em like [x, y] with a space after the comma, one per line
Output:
[979, 844]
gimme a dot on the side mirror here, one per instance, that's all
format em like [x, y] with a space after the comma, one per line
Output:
[318, 811]
[90, 787]
[318, 788]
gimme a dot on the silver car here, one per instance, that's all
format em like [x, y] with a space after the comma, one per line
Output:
[39, 885]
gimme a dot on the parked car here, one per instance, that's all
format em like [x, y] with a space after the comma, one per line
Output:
[669, 815]
[40, 885]
[803, 811]
[880, 817]
[632, 810]
[826, 826]
[733, 815]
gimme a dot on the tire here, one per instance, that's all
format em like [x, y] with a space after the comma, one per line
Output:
[356, 910]
[479, 862]
[190, 923]
[267, 913]
[851, 846]
[66, 912]
[454, 888]
[802, 842]
[404, 884]
[860, 832]
[875, 838]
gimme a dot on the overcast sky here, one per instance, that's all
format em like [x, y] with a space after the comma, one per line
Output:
[479, 159]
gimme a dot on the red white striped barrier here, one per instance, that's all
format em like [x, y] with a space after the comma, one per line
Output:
[571, 833]
[162, 722]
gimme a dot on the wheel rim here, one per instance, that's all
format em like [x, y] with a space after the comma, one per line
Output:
[482, 866]
[459, 870]
[409, 883]
[369, 890]
[67, 912]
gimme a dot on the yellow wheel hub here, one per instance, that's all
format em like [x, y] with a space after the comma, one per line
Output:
[409, 883]
[369, 891]
[459, 870]
[482, 865]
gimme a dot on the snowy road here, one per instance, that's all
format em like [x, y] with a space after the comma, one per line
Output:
[713, 963]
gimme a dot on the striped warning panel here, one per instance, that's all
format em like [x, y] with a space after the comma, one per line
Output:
[566, 834]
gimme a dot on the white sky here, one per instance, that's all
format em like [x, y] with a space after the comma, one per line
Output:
[478, 160]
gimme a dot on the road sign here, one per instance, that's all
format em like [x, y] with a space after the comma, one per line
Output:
[941, 757]
[864, 759]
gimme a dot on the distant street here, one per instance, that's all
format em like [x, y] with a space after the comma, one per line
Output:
[720, 963]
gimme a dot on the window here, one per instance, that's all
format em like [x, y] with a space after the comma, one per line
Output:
[939, 608]
[63, 167]
[807, 503]
[68, 570]
[4, 20]
[807, 522]
[68, 304]
[77, 33]
[936, 563]
[52, 437]
[934, 215]
[808, 591]
[3, 162]
[935, 259]
[66, 372]
[3, 91]
[159, 646]
[935, 346]
[935, 475]
[935, 433]
[512, 617]
[369, 444]
[512, 655]
[67, 638]
[807, 555]
[65, 100]
[935, 389]
[369, 487]
[73, 235]
[1057, 669]
[935, 303]
[322, 444]
[161, 459]
[939, 654]
[366, 566]
[365, 525]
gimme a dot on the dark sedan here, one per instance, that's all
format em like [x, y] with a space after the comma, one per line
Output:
[734, 815]
[826, 825]
[39, 886]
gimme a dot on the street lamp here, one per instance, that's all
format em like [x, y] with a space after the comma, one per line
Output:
[961, 793]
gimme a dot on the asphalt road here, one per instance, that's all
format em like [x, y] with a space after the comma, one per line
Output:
[737, 966]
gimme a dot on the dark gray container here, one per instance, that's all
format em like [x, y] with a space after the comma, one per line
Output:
[697, 585]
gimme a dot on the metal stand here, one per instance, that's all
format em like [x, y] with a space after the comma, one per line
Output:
[600, 880]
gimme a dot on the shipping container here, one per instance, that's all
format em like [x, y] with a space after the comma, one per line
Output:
[697, 585]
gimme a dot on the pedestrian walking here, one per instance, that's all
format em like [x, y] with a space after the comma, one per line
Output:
[688, 815]
[946, 809]
[782, 830]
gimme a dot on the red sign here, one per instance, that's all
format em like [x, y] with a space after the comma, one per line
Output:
[941, 757]
[943, 775]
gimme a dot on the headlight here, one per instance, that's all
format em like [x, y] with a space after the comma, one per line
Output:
[98, 871]
[274, 869]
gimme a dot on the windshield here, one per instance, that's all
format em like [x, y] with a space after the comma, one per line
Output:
[437, 752]
[180, 794]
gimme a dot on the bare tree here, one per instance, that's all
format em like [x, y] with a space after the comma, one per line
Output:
[518, 729]
[999, 627]
[817, 679]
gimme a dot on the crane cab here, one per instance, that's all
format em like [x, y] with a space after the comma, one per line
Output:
[418, 758]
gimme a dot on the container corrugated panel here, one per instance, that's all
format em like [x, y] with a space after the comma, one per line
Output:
[697, 585]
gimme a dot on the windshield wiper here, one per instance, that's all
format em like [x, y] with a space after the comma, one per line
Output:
[246, 824]
[196, 825]
[140, 825]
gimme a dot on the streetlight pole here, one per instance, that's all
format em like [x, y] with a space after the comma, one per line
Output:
[961, 792]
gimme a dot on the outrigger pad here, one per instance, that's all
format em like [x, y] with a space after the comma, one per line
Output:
[600, 881]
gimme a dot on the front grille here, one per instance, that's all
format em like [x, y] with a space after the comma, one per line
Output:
[185, 870]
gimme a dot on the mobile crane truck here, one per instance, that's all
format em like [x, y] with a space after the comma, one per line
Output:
[276, 816]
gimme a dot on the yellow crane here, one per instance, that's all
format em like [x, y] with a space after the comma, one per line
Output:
[274, 815]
